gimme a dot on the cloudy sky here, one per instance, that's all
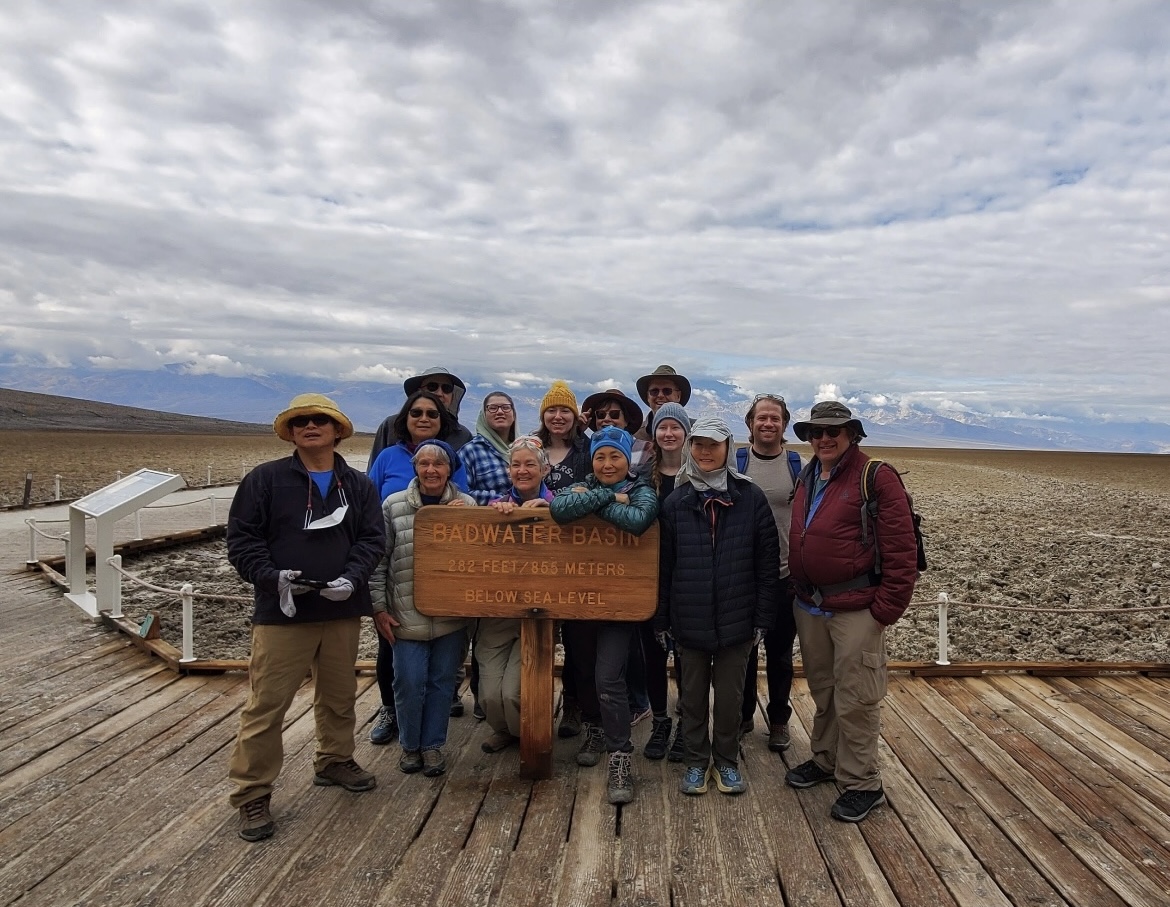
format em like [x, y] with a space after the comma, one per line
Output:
[961, 204]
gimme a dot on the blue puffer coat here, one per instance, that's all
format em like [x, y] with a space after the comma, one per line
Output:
[719, 567]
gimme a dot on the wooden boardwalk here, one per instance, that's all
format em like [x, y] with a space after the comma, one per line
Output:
[1004, 789]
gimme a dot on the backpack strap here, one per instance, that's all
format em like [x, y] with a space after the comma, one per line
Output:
[741, 459]
[869, 509]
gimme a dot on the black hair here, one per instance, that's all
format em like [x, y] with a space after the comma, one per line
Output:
[447, 422]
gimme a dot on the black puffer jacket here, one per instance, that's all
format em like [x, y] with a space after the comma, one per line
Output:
[715, 587]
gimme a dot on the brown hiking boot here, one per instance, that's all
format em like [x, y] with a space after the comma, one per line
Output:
[498, 742]
[434, 764]
[347, 774]
[256, 819]
[778, 738]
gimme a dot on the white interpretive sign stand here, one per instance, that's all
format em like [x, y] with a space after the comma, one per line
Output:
[106, 506]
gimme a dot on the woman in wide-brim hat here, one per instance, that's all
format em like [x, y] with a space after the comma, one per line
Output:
[598, 409]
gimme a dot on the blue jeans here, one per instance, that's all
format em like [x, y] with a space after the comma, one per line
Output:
[424, 682]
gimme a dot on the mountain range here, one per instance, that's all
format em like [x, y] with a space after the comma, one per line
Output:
[257, 399]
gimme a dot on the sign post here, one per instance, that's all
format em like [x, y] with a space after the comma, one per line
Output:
[476, 562]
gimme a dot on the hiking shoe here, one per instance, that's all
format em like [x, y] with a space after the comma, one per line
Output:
[570, 725]
[659, 739]
[433, 763]
[346, 774]
[694, 781]
[678, 746]
[385, 727]
[478, 713]
[410, 762]
[457, 706]
[778, 738]
[256, 819]
[729, 780]
[621, 780]
[637, 718]
[807, 774]
[498, 742]
[855, 805]
[592, 747]
[747, 726]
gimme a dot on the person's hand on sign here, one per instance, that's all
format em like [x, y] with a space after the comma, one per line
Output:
[455, 502]
[535, 502]
[504, 507]
[385, 624]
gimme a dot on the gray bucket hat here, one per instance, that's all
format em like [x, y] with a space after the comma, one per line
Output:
[828, 414]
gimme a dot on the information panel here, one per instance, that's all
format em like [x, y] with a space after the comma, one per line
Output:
[475, 562]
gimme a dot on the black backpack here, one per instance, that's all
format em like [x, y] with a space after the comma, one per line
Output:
[869, 509]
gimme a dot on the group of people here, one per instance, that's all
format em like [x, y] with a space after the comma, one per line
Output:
[756, 546]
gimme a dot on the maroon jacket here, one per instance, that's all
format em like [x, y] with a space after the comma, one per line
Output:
[828, 550]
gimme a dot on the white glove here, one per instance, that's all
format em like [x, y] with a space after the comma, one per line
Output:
[338, 590]
[287, 589]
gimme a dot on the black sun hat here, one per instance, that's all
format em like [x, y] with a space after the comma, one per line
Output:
[828, 414]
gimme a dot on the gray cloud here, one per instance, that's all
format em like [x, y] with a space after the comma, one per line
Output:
[960, 204]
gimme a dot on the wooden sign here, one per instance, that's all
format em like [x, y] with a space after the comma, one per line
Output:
[475, 562]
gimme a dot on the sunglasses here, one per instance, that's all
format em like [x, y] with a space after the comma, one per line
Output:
[418, 413]
[434, 387]
[526, 441]
[498, 407]
[660, 391]
[833, 432]
[775, 398]
[318, 419]
[608, 413]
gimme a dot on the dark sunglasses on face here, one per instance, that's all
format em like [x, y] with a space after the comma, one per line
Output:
[434, 387]
[834, 432]
[660, 392]
[318, 419]
[418, 413]
[608, 414]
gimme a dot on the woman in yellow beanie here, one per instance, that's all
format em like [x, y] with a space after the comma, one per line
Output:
[560, 433]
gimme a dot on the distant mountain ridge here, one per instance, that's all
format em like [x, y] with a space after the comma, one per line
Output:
[251, 402]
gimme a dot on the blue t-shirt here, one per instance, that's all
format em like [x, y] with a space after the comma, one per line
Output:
[323, 480]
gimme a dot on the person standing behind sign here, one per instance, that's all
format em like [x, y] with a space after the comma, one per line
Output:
[630, 504]
[497, 642]
[843, 605]
[309, 516]
[427, 651]
[448, 389]
[719, 587]
[485, 457]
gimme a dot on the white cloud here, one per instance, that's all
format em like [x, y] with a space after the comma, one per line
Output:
[871, 199]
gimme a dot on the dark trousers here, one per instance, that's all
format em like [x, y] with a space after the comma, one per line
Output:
[723, 671]
[384, 667]
[600, 652]
[654, 657]
[778, 644]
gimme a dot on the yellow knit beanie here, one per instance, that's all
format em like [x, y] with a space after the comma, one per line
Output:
[559, 395]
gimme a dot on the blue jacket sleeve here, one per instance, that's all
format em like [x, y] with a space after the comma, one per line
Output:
[638, 515]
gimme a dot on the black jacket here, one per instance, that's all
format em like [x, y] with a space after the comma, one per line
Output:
[716, 588]
[266, 534]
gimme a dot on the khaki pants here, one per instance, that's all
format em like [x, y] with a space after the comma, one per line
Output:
[497, 649]
[844, 660]
[282, 654]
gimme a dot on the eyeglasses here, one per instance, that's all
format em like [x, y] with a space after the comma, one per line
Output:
[498, 407]
[608, 413]
[418, 413]
[435, 386]
[667, 391]
[833, 432]
[318, 419]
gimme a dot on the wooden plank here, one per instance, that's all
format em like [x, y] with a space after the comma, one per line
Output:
[641, 872]
[748, 869]
[1152, 694]
[587, 871]
[536, 698]
[1127, 822]
[476, 562]
[1122, 710]
[531, 875]
[1035, 799]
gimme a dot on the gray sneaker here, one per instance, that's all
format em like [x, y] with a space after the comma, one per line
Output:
[256, 819]
[621, 781]
[592, 747]
[346, 774]
[434, 763]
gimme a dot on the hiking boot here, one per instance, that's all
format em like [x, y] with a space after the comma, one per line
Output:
[807, 774]
[778, 738]
[410, 762]
[621, 780]
[498, 742]
[256, 819]
[457, 706]
[385, 727]
[637, 717]
[477, 712]
[729, 780]
[747, 726]
[678, 746]
[694, 781]
[570, 725]
[434, 764]
[592, 747]
[659, 739]
[855, 805]
[346, 774]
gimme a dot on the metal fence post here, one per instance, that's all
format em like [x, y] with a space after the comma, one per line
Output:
[209, 475]
[943, 639]
[32, 542]
[187, 594]
[57, 487]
